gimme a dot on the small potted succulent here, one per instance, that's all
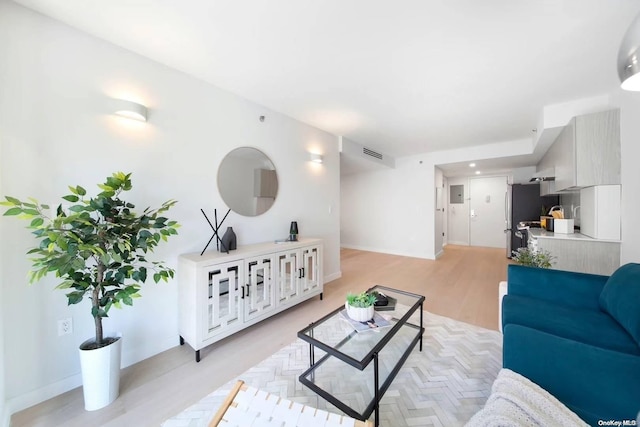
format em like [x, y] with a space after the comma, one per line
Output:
[360, 307]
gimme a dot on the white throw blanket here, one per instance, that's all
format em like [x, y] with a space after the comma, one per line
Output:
[516, 401]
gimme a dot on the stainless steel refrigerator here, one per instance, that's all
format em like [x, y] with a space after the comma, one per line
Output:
[523, 203]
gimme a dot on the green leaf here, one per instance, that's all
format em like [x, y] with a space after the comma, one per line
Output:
[13, 200]
[13, 211]
[30, 212]
[81, 191]
[157, 277]
[74, 297]
[71, 198]
[77, 208]
[37, 222]
[65, 285]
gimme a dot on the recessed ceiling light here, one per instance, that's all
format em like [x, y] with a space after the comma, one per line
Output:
[472, 165]
[478, 172]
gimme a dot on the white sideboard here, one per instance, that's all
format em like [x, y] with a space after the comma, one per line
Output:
[220, 294]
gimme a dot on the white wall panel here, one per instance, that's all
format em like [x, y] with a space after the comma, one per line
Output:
[630, 175]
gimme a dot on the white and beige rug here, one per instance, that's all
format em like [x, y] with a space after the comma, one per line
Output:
[444, 385]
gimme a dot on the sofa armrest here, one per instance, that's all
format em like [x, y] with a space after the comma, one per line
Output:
[563, 287]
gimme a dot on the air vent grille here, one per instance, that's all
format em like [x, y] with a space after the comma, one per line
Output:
[371, 153]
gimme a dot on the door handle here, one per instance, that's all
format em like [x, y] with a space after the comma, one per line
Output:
[242, 297]
[247, 290]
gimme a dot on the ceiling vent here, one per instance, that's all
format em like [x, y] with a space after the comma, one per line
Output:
[372, 153]
[355, 158]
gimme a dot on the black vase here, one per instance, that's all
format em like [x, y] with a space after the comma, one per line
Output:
[228, 241]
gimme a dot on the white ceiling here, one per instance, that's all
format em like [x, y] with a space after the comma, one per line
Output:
[402, 77]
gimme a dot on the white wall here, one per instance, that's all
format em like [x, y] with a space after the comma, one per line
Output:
[630, 174]
[56, 130]
[390, 211]
[4, 413]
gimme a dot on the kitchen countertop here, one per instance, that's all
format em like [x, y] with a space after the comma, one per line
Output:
[544, 234]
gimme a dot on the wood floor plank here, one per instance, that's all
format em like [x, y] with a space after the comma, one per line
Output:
[462, 284]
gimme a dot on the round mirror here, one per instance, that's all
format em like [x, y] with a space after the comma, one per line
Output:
[247, 181]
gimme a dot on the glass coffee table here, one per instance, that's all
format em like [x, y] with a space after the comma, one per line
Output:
[343, 373]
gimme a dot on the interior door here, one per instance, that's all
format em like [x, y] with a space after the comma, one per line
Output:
[487, 216]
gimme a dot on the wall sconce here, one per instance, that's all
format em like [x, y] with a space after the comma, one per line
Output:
[130, 110]
[629, 57]
[316, 158]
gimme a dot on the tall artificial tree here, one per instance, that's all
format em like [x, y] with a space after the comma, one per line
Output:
[98, 246]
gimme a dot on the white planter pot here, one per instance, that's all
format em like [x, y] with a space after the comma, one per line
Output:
[359, 314]
[101, 375]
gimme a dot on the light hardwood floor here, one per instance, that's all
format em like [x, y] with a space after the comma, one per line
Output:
[462, 284]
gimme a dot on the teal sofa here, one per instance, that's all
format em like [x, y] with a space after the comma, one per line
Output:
[577, 336]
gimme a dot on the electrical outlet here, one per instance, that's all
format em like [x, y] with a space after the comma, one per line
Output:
[65, 326]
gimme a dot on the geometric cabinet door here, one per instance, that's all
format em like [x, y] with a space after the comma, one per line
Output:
[287, 277]
[311, 272]
[259, 291]
[223, 310]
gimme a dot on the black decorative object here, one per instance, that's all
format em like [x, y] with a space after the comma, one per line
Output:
[293, 231]
[228, 241]
[215, 229]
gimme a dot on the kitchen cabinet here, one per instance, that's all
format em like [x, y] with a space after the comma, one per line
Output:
[600, 212]
[585, 153]
[577, 252]
[588, 151]
[220, 294]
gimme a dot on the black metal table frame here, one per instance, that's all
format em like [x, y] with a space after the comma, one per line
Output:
[306, 334]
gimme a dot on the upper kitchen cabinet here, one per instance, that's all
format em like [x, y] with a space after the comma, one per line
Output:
[587, 152]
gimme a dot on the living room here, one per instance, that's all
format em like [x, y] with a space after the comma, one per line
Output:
[57, 129]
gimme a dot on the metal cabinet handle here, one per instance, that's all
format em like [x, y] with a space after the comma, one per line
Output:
[242, 297]
[247, 290]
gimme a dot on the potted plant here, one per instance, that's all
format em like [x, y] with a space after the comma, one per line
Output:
[97, 246]
[539, 258]
[360, 307]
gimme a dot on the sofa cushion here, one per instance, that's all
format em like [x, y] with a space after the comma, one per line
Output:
[595, 383]
[620, 298]
[591, 327]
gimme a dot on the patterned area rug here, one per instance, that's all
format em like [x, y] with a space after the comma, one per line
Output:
[444, 385]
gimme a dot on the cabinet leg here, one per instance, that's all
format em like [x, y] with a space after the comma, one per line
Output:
[197, 356]
[181, 340]
[321, 295]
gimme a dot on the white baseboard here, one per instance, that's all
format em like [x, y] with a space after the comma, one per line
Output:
[41, 394]
[130, 357]
[452, 242]
[440, 253]
[388, 251]
[332, 277]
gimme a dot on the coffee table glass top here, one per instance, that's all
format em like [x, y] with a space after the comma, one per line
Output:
[336, 335]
